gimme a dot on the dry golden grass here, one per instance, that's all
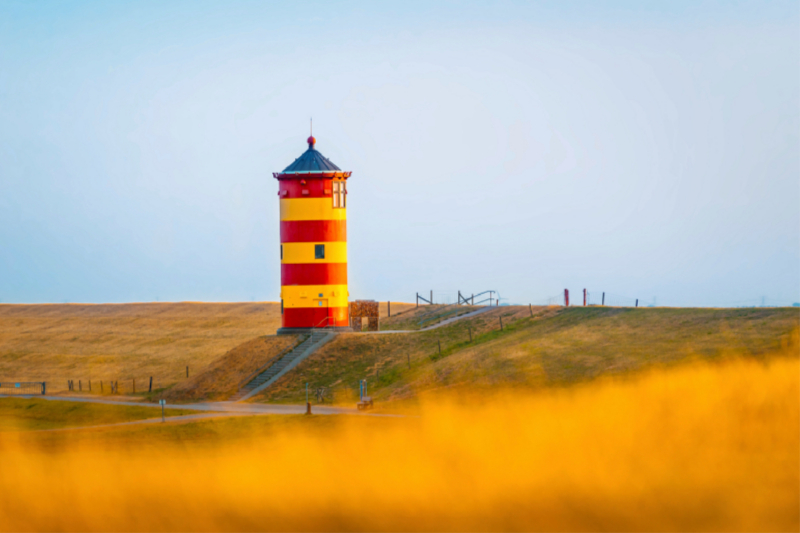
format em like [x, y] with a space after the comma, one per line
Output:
[54, 343]
[224, 376]
[700, 447]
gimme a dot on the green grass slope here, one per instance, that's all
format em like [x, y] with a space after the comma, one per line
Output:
[22, 414]
[554, 347]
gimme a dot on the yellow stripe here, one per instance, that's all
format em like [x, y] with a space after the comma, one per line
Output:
[311, 209]
[309, 295]
[304, 252]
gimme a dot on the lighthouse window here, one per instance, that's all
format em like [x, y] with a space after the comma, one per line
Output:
[338, 194]
[319, 251]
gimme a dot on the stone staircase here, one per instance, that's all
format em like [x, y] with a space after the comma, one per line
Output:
[280, 367]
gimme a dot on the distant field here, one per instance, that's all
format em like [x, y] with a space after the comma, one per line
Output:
[122, 342]
[556, 347]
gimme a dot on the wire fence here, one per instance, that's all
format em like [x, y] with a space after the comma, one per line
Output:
[14, 388]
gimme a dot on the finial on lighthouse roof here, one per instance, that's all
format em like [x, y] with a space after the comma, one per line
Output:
[311, 140]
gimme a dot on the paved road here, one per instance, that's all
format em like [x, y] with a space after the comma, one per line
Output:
[229, 408]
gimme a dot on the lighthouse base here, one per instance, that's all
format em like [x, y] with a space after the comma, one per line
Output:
[307, 331]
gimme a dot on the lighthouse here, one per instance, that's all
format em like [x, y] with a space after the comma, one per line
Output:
[313, 206]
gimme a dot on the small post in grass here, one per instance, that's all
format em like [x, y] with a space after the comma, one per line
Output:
[501, 323]
[440, 345]
[187, 371]
[80, 386]
[604, 299]
[90, 385]
[308, 404]
[134, 385]
[151, 384]
[530, 306]
[389, 305]
[162, 402]
[101, 386]
[408, 358]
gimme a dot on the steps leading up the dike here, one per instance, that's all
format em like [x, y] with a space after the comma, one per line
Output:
[280, 367]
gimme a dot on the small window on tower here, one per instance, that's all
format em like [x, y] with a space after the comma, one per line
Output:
[335, 194]
[342, 193]
[319, 251]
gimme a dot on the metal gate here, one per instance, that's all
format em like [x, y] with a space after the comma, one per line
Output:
[22, 387]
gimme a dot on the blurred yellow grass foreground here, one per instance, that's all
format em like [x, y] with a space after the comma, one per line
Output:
[698, 447]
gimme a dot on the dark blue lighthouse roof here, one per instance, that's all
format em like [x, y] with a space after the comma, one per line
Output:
[311, 161]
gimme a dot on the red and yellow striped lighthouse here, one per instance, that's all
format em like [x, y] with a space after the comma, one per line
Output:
[313, 198]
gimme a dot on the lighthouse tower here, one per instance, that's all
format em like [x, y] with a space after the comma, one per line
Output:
[313, 197]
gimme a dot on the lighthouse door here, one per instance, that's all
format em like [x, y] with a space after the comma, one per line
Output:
[321, 313]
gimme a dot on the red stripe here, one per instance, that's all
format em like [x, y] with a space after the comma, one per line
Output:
[313, 230]
[312, 317]
[313, 188]
[314, 274]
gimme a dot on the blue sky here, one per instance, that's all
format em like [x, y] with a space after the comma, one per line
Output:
[646, 150]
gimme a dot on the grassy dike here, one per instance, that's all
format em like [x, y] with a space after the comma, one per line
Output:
[554, 347]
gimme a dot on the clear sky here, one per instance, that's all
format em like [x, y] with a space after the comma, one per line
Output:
[649, 150]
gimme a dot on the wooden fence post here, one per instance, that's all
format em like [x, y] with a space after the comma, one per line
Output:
[187, 371]
[151, 384]
[80, 385]
[389, 305]
[90, 385]
[530, 306]
[417, 299]
[101, 386]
